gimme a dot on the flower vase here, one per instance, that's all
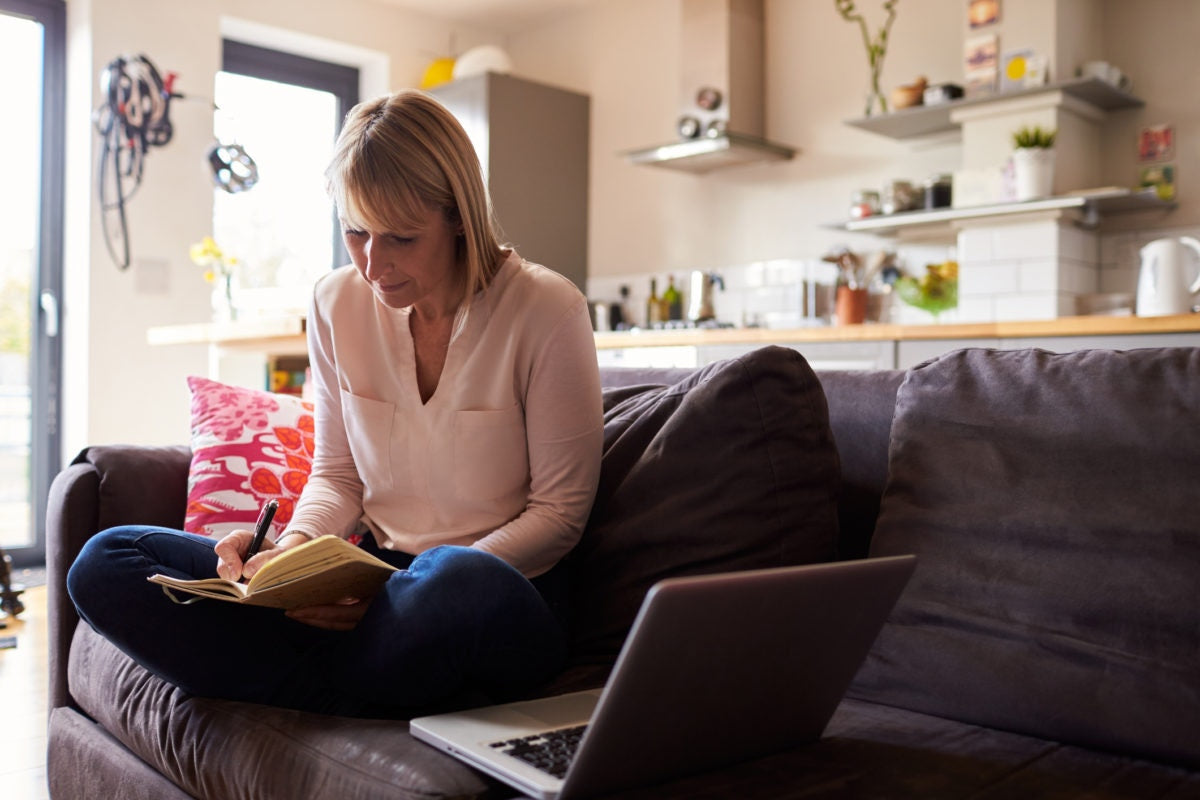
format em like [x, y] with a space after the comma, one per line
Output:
[876, 102]
[222, 299]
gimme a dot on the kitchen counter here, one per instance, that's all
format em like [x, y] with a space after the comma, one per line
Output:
[1063, 326]
[287, 334]
[239, 351]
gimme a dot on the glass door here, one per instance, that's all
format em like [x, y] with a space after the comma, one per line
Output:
[31, 45]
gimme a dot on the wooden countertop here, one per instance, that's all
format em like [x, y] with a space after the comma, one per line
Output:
[287, 334]
[1063, 326]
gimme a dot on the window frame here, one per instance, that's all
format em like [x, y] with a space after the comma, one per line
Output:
[46, 294]
[340, 80]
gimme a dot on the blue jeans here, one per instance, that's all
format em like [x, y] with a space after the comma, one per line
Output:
[454, 622]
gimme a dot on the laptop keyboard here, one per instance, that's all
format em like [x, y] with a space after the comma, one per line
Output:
[549, 751]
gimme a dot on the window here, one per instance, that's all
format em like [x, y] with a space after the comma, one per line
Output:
[31, 44]
[284, 111]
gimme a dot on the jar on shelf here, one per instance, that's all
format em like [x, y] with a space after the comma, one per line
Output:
[938, 191]
[899, 195]
[864, 203]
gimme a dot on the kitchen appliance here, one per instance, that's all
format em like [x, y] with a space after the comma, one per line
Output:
[700, 295]
[723, 110]
[1169, 278]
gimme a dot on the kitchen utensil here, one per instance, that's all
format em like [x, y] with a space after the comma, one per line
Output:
[1167, 283]
[850, 306]
[700, 294]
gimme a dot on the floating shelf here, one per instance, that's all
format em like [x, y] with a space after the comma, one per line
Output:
[1092, 204]
[910, 123]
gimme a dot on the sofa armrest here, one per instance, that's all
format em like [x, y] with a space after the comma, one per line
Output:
[104, 486]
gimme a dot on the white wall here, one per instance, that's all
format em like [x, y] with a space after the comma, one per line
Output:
[117, 388]
[625, 55]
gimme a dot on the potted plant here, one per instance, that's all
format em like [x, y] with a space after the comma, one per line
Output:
[1033, 162]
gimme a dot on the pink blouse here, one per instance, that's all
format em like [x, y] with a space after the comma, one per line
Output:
[505, 456]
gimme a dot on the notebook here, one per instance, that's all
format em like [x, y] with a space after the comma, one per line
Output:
[716, 669]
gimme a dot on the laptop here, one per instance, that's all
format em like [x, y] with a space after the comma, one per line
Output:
[716, 669]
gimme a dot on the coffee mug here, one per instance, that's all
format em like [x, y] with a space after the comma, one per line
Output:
[1109, 73]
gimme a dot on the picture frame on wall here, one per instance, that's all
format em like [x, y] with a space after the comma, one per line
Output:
[1015, 73]
[1156, 143]
[981, 13]
[980, 61]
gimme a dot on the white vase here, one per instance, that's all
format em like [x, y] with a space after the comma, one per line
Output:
[1033, 172]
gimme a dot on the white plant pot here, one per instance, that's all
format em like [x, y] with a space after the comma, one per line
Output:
[1033, 172]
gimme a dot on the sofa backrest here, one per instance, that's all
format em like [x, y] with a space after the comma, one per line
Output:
[1052, 502]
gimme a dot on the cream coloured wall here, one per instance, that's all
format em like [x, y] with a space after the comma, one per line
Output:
[625, 54]
[117, 388]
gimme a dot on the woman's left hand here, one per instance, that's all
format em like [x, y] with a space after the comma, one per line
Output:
[340, 616]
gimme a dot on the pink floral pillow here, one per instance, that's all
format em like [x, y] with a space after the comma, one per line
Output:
[248, 447]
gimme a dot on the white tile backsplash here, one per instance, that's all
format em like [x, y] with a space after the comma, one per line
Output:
[1025, 240]
[987, 278]
[1015, 308]
[1008, 271]
[1079, 245]
[1038, 276]
[975, 245]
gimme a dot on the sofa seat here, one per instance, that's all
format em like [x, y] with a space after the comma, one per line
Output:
[869, 750]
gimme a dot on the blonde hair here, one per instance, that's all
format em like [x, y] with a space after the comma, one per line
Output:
[401, 154]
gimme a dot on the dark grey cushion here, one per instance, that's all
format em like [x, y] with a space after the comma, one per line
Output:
[732, 468]
[223, 749]
[1054, 503]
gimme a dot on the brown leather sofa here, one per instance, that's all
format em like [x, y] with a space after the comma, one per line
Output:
[1048, 645]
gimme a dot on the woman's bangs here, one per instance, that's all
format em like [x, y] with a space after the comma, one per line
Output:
[379, 202]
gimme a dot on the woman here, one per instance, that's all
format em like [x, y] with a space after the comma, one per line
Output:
[458, 427]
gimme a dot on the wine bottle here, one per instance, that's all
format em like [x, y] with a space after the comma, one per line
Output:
[654, 306]
[672, 300]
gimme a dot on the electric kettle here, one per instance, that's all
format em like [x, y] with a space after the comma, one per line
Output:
[1169, 278]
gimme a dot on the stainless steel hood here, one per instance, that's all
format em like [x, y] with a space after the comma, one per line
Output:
[722, 116]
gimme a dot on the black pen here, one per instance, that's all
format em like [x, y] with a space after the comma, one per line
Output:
[260, 529]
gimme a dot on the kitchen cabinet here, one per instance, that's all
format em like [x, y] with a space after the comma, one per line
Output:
[532, 141]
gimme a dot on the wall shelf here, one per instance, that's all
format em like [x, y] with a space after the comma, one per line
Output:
[911, 123]
[1092, 205]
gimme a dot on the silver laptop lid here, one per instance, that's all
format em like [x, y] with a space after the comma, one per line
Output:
[723, 668]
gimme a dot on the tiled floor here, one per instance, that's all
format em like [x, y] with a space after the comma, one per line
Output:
[23, 698]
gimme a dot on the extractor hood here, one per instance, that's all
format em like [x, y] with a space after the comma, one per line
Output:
[722, 114]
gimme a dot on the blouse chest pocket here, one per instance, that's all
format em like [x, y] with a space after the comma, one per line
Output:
[369, 430]
[491, 457]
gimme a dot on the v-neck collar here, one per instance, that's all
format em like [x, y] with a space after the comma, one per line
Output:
[469, 320]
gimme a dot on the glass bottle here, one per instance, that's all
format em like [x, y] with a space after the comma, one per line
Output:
[654, 306]
[672, 300]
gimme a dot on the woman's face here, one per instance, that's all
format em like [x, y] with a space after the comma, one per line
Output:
[411, 265]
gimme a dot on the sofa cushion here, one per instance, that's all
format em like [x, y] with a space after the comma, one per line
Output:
[732, 468]
[1052, 502]
[220, 748]
[248, 447]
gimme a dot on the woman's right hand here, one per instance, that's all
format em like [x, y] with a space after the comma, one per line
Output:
[231, 549]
